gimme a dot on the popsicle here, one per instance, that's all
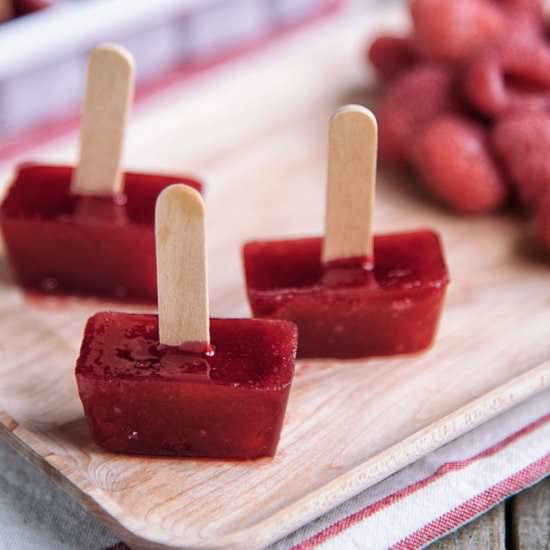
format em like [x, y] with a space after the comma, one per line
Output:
[180, 383]
[352, 295]
[89, 230]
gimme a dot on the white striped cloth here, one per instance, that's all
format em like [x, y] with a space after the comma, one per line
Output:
[417, 505]
[442, 491]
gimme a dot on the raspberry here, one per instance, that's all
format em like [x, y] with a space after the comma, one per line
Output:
[512, 76]
[391, 55]
[534, 7]
[524, 21]
[542, 221]
[453, 159]
[498, 82]
[522, 142]
[527, 58]
[450, 30]
[410, 102]
[22, 7]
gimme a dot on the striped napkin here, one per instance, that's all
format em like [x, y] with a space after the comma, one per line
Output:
[442, 491]
[417, 505]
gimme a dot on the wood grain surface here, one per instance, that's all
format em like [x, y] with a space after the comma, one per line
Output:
[109, 94]
[351, 184]
[520, 523]
[181, 267]
[530, 518]
[485, 533]
[257, 133]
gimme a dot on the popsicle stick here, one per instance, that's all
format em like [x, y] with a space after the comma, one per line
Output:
[353, 143]
[181, 269]
[6, 10]
[109, 94]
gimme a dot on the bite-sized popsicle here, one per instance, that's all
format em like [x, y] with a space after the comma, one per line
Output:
[180, 383]
[89, 230]
[350, 294]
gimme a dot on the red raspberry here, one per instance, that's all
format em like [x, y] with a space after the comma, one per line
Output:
[391, 55]
[512, 76]
[509, 79]
[542, 221]
[522, 142]
[526, 57]
[23, 7]
[410, 102]
[453, 158]
[534, 7]
[526, 20]
[450, 30]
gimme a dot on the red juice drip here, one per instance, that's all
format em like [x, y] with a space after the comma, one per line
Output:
[138, 349]
[197, 348]
[348, 272]
[193, 347]
[101, 209]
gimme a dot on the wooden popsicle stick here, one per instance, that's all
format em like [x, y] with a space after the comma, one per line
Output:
[6, 10]
[181, 269]
[109, 94]
[353, 144]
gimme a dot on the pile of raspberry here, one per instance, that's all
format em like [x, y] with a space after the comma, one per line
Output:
[466, 104]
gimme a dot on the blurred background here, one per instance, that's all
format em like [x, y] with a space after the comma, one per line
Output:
[44, 46]
[240, 92]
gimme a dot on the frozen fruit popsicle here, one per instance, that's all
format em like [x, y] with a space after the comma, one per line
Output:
[182, 384]
[89, 230]
[350, 294]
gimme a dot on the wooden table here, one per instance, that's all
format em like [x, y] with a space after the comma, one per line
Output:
[289, 135]
[521, 523]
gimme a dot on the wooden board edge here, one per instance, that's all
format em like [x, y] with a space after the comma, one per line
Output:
[394, 458]
[66, 481]
[428, 439]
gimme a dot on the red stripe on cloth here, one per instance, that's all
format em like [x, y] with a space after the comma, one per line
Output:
[39, 135]
[371, 509]
[476, 505]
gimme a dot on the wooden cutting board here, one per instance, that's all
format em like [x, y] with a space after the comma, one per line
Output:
[257, 132]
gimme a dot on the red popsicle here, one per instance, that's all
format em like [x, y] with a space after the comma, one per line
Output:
[83, 231]
[351, 296]
[183, 384]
